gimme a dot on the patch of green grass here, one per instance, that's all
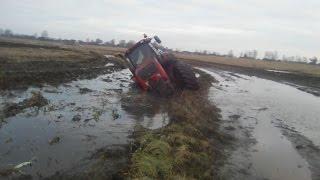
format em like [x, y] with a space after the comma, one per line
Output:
[96, 114]
[183, 149]
[152, 159]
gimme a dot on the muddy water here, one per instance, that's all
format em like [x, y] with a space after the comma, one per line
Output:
[82, 117]
[276, 127]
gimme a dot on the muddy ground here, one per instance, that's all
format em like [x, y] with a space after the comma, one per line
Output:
[304, 82]
[275, 125]
[106, 128]
[29, 64]
[74, 113]
[84, 118]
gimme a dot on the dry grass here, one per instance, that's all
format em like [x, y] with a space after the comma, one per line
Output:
[28, 41]
[258, 64]
[33, 62]
[57, 51]
[102, 49]
[14, 49]
[40, 54]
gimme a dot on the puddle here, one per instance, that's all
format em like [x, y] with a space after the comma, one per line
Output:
[109, 64]
[262, 150]
[81, 117]
[109, 56]
[278, 71]
[155, 122]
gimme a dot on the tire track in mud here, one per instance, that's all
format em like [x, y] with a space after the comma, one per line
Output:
[264, 146]
[305, 147]
[91, 120]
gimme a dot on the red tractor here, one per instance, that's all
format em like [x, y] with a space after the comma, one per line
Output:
[158, 71]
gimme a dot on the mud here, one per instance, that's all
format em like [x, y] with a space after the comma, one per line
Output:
[304, 146]
[24, 74]
[304, 82]
[89, 121]
[75, 128]
[32, 64]
[36, 100]
[275, 128]
[188, 146]
[60, 146]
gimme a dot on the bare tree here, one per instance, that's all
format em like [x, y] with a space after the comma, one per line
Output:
[45, 34]
[313, 60]
[99, 41]
[298, 59]
[1, 31]
[304, 60]
[113, 42]
[241, 55]
[252, 54]
[230, 54]
[284, 58]
[130, 43]
[290, 58]
[122, 43]
[8, 32]
[271, 55]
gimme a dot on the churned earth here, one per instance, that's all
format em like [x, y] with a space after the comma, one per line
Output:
[104, 127]
[275, 125]
[74, 113]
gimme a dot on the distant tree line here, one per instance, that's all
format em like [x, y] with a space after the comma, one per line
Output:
[250, 54]
[44, 35]
[9, 33]
[253, 54]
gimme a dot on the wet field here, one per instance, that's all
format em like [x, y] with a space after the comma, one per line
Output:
[274, 124]
[276, 127]
[81, 119]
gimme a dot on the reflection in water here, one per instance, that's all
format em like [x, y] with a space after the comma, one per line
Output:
[81, 114]
[146, 108]
[263, 152]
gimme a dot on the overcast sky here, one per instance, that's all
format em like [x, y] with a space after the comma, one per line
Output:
[290, 26]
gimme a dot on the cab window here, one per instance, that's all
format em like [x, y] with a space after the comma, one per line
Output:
[141, 54]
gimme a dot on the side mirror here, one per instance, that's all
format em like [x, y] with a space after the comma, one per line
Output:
[157, 39]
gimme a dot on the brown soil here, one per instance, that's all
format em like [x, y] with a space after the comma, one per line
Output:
[36, 100]
[22, 64]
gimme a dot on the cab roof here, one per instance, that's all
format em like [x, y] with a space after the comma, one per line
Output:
[141, 42]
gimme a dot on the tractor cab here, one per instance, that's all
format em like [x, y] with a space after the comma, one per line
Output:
[153, 69]
[144, 64]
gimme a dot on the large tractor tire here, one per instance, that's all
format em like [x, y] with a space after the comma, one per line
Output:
[184, 77]
[164, 89]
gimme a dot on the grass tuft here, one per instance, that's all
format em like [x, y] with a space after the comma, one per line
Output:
[184, 148]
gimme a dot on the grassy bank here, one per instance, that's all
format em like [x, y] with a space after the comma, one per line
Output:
[187, 147]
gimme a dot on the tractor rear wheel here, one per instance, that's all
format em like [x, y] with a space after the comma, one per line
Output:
[184, 77]
[164, 89]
